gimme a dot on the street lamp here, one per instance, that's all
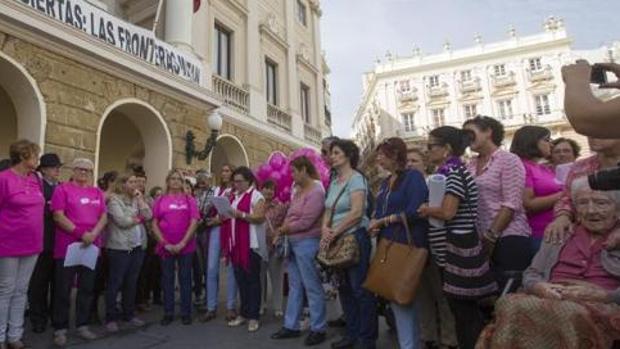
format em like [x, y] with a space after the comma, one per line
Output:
[215, 124]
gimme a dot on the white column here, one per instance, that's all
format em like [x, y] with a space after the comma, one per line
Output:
[255, 63]
[319, 117]
[291, 70]
[202, 39]
[179, 15]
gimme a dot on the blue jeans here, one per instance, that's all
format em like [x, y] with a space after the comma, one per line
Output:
[359, 305]
[184, 265]
[407, 325]
[213, 274]
[303, 275]
[124, 269]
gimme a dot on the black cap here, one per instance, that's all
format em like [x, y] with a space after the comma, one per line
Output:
[49, 160]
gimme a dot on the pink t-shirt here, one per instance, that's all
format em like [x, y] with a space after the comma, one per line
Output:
[21, 214]
[541, 179]
[174, 214]
[83, 206]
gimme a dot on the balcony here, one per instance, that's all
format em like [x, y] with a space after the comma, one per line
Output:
[543, 74]
[233, 96]
[438, 91]
[506, 80]
[279, 118]
[408, 96]
[312, 134]
[470, 86]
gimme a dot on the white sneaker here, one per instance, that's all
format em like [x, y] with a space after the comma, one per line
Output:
[85, 333]
[236, 322]
[60, 338]
[253, 325]
[136, 322]
[111, 327]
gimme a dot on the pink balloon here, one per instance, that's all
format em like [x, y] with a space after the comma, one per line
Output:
[277, 161]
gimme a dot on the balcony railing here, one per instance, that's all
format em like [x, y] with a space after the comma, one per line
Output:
[500, 81]
[279, 117]
[540, 75]
[410, 95]
[438, 91]
[232, 95]
[312, 134]
[469, 86]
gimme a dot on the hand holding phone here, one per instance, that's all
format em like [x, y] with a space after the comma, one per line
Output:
[601, 70]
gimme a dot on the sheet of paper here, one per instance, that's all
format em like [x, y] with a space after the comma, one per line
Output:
[222, 205]
[436, 192]
[78, 254]
[561, 172]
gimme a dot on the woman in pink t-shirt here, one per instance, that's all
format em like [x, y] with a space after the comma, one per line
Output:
[80, 214]
[21, 237]
[542, 190]
[175, 217]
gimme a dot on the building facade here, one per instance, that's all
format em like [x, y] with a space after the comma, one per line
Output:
[518, 81]
[122, 81]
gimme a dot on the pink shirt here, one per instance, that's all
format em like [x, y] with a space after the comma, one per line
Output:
[500, 184]
[21, 214]
[581, 168]
[83, 206]
[174, 214]
[541, 179]
[305, 212]
[580, 259]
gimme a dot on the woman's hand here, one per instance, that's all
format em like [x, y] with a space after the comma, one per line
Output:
[613, 240]
[587, 293]
[224, 261]
[548, 290]
[488, 245]
[170, 248]
[374, 227]
[423, 210]
[327, 236]
[88, 238]
[559, 230]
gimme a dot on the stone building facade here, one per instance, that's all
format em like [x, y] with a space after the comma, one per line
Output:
[79, 96]
[517, 80]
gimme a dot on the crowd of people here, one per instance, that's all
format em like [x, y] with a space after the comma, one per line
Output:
[522, 250]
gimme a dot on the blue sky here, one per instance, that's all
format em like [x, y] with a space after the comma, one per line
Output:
[356, 32]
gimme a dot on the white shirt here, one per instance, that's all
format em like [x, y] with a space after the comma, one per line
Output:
[255, 229]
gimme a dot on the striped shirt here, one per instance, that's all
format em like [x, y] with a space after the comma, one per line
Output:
[462, 185]
[501, 184]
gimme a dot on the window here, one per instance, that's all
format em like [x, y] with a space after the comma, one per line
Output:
[471, 110]
[271, 82]
[433, 81]
[535, 64]
[500, 69]
[542, 105]
[222, 52]
[404, 86]
[408, 121]
[505, 109]
[304, 98]
[466, 75]
[301, 12]
[439, 117]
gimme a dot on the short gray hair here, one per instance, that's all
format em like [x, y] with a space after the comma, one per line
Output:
[203, 175]
[581, 183]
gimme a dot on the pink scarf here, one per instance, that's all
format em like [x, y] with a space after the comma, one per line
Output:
[235, 234]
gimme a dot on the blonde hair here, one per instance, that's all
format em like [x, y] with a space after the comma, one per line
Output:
[118, 186]
[22, 150]
[172, 173]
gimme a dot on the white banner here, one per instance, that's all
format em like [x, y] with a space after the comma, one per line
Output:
[130, 38]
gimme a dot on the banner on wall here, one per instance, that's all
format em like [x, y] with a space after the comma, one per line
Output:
[137, 41]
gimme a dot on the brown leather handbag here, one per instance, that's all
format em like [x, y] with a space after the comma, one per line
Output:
[396, 268]
[344, 251]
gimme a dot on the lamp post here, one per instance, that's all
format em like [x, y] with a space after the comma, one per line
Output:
[215, 124]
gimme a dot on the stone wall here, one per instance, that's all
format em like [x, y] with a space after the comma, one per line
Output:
[76, 97]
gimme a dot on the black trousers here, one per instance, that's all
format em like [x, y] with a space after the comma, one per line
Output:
[248, 282]
[65, 277]
[511, 254]
[468, 320]
[41, 290]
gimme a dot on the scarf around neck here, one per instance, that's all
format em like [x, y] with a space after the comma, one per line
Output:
[451, 163]
[235, 237]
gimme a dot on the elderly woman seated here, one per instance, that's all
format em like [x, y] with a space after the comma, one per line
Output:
[572, 291]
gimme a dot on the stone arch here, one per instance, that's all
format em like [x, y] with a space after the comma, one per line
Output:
[132, 132]
[228, 150]
[22, 106]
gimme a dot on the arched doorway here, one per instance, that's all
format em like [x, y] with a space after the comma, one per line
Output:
[228, 150]
[131, 133]
[22, 109]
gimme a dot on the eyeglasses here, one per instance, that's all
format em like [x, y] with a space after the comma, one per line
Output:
[83, 170]
[239, 181]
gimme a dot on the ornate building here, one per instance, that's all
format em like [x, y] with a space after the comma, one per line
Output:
[517, 81]
[123, 81]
